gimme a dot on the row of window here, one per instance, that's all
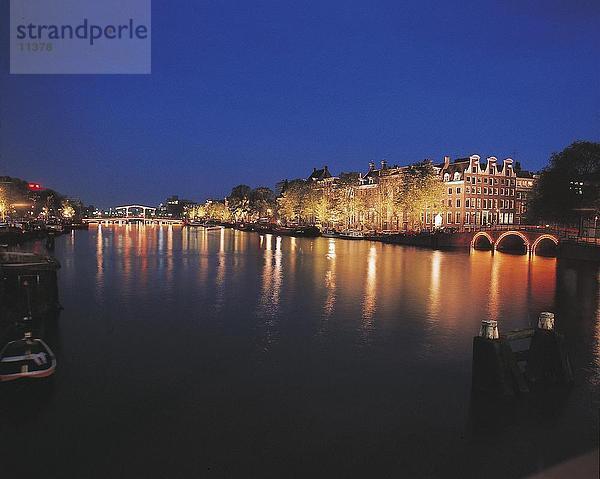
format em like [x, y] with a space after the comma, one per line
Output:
[486, 191]
[484, 217]
[490, 181]
[527, 183]
[487, 203]
[493, 170]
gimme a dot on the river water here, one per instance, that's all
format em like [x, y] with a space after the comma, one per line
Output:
[192, 353]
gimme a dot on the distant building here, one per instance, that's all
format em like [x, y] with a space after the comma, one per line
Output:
[483, 195]
[174, 207]
[475, 194]
[319, 174]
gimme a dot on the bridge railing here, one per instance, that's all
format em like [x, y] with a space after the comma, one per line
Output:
[561, 232]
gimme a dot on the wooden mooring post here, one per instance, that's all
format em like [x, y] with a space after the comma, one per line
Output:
[499, 370]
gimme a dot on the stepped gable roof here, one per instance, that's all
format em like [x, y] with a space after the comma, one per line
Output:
[457, 166]
[319, 174]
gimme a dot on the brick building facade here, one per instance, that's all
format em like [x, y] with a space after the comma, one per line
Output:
[475, 194]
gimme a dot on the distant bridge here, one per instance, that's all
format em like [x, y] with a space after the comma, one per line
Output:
[527, 238]
[127, 210]
[121, 220]
[128, 214]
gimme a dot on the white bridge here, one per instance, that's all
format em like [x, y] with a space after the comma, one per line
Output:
[128, 214]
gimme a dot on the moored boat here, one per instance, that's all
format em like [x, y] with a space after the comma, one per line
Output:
[352, 235]
[307, 231]
[329, 233]
[244, 226]
[261, 227]
[26, 358]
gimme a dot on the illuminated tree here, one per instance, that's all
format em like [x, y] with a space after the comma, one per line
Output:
[67, 210]
[217, 210]
[3, 204]
[345, 203]
[421, 188]
[293, 199]
[262, 202]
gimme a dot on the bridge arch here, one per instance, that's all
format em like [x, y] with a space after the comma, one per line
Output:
[508, 234]
[480, 237]
[544, 237]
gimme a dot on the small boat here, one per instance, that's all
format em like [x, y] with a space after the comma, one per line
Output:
[213, 227]
[352, 235]
[244, 227]
[328, 233]
[55, 227]
[19, 261]
[26, 358]
[306, 231]
[262, 227]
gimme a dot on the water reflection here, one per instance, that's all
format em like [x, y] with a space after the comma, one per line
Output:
[99, 263]
[266, 366]
[330, 279]
[221, 273]
[435, 293]
[268, 307]
[370, 294]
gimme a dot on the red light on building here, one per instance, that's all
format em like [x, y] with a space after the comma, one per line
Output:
[35, 187]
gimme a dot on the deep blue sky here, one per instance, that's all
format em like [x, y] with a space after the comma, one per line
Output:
[258, 91]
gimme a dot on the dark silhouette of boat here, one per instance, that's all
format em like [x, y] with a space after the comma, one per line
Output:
[306, 231]
[28, 357]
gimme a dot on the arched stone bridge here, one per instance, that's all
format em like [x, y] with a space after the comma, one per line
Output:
[529, 238]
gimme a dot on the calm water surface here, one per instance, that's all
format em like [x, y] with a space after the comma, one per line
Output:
[187, 353]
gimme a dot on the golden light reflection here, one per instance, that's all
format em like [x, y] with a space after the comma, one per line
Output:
[434, 302]
[369, 299]
[271, 289]
[99, 262]
[221, 273]
[330, 279]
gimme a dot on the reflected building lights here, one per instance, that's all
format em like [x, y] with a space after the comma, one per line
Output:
[99, 263]
[330, 279]
[434, 301]
[369, 300]
[271, 289]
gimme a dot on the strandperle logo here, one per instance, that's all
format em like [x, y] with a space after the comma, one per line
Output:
[80, 36]
[84, 31]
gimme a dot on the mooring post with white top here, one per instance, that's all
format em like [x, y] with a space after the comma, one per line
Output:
[493, 362]
[489, 329]
[548, 361]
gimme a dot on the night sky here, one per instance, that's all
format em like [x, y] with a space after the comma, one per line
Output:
[253, 92]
